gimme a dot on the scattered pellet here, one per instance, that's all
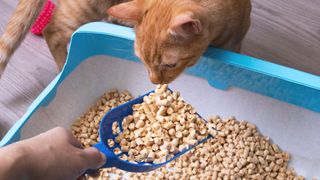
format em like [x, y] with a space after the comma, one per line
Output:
[87, 125]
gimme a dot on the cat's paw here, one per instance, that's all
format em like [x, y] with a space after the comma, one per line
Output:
[118, 21]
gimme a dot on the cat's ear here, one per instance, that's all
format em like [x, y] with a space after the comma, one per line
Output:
[129, 11]
[185, 26]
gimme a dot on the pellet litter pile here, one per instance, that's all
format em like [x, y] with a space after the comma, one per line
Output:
[159, 128]
[238, 150]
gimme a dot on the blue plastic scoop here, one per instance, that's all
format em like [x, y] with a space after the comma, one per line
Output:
[105, 132]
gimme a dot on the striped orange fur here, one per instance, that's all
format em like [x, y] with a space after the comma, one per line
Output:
[171, 34]
[67, 17]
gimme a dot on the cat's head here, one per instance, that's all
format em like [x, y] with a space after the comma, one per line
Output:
[170, 35]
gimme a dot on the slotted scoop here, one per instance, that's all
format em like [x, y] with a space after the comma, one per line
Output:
[105, 133]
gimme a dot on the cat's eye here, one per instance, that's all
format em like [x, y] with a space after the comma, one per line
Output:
[169, 65]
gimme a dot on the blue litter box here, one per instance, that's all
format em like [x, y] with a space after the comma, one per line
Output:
[283, 102]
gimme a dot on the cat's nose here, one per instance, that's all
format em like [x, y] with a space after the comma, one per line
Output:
[155, 78]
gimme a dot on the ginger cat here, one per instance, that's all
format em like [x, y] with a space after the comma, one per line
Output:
[171, 35]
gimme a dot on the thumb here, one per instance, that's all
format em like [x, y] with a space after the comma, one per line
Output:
[93, 158]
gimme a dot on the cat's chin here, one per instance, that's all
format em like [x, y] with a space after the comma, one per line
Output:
[161, 82]
[166, 81]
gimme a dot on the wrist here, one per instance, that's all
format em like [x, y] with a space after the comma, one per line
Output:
[15, 163]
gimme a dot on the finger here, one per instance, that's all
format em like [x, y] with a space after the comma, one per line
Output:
[67, 134]
[75, 142]
[93, 158]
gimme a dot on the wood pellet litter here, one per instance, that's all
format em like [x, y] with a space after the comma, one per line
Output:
[238, 150]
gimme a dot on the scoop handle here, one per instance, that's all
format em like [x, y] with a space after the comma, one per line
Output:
[109, 155]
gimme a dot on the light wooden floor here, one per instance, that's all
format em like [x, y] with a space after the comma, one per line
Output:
[285, 32]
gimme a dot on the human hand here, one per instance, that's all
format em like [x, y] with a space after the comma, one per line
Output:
[55, 154]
